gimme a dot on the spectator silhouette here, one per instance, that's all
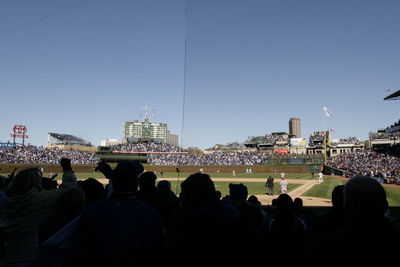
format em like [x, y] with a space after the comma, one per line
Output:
[306, 215]
[250, 229]
[366, 229]
[166, 203]
[254, 200]
[27, 206]
[202, 223]
[147, 188]
[287, 231]
[334, 219]
[94, 190]
[118, 230]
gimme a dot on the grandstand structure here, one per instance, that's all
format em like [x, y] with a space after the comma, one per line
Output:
[393, 96]
[274, 143]
[386, 138]
[345, 145]
[320, 143]
[229, 147]
[68, 141]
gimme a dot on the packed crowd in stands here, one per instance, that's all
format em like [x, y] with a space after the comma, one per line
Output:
[368, 163]
[136, 220]
[317, 136]
[266, 139]
[393, 150]
[348, 140]
[227, 147]
[214, 158]
[40, 155]
[148, 147]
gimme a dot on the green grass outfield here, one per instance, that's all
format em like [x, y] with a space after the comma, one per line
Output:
[325, 189]
[183, 175]
[253, 188]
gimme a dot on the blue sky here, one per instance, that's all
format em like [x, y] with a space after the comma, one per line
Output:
[250, 66]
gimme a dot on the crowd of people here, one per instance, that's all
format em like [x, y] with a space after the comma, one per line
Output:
[266, 139]
[148, 147]
[40, 155]
[136, 220]
[368, 163]
[227, 147]
[348, 140]
[214, 158]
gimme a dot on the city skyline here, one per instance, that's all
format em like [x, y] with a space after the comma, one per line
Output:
[215, 71]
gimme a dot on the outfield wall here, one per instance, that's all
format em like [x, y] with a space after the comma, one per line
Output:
[304, 168]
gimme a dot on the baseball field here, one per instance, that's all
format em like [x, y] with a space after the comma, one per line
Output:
[301, 185]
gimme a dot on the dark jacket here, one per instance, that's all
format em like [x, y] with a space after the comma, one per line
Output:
[119, 230]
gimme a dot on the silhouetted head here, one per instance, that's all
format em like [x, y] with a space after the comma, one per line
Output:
[125, 176]
[284, 203]
[94, 190]
[147, 181]
[24, 182]
[298, 202]
[164, 185]
[238, 191]
[365, 199]
[196, 188]
[254, 200]
[337, 197]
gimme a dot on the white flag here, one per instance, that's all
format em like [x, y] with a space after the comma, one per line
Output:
[326, 111]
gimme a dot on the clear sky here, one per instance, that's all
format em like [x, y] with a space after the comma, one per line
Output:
[250, 66]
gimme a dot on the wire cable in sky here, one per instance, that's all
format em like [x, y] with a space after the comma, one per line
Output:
[42, 18]
[184, 92]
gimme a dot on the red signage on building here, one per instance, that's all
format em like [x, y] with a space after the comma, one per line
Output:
[19, 132]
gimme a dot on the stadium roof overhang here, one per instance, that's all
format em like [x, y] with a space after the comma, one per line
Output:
[394, 96]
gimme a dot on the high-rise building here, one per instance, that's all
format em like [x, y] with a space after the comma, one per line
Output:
[172, 139]
[294, 127]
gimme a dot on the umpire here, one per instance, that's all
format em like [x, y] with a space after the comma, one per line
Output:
[270, 186]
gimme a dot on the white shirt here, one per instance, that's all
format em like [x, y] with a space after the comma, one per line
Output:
[320, 175]
[283, 184]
